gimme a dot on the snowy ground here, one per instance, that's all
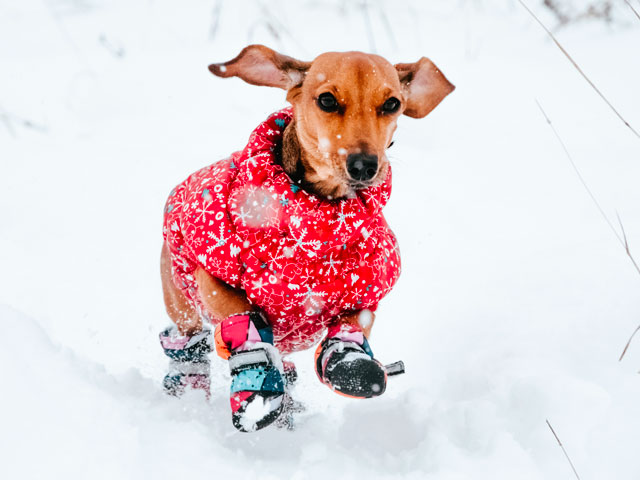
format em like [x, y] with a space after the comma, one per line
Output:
[515, 300]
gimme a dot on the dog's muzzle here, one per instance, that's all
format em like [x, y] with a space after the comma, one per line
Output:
[362, 167]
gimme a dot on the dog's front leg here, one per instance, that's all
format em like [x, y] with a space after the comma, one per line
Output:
[363, 319]
[220, 299]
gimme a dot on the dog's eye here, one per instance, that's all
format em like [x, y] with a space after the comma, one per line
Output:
[327, 102]
[391, 105]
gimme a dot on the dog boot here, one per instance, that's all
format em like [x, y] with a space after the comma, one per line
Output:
[189, 366]
[257, 385]
[345, 363]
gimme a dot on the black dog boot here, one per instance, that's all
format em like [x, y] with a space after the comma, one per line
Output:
[189, 367]
[345, 363]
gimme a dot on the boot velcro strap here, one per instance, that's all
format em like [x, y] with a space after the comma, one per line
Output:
[251, 358]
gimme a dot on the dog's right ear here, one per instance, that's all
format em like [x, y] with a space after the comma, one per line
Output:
[259, 65]
[424, 86]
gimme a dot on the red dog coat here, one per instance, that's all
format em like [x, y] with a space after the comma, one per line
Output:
[302, 259]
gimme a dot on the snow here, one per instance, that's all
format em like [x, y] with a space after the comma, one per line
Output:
[257, 410]
[515, 300]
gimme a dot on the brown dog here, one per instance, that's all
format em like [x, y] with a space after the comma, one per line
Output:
[294, 226]
[346, 110]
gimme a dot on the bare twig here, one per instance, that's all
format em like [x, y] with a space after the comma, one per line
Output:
[387, 25]
[115, 50]
[626, 347]
[215, 19]
[11, 120]
[563, 450]
[82, 58]
[580, 177]
[628, 250]
[562, 17]
[7, 122]
[631, 7]
[621, 238]
[367, 22]
[578, 68]
[626, 245]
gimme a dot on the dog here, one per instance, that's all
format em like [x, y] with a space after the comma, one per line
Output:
[285, 239]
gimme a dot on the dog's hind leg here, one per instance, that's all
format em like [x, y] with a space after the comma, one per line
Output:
[178, 307]
[186, 344]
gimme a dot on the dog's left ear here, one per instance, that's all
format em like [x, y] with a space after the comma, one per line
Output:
[259, 65]
[424, 86]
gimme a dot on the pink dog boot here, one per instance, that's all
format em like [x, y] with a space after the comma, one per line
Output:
[345, 363]
[257, 385]
[189, 367]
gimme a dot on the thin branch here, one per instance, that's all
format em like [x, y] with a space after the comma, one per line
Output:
[584, 184]
[387, 25]
[631, 7]
[578, 68]
[12, 120]
[621, 238]
[215, 20]
[367, 19]
[82, 58]
[7, 121]
[628, 250]
[626, 347]
[563, 450]
[626, 245]
[115, 50]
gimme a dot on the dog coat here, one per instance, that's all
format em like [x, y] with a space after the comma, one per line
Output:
[303, 260]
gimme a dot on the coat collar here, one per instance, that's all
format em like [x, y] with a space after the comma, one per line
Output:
[263, 196]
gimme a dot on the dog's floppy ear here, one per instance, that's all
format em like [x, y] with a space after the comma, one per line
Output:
[259, 65]
[424, 86]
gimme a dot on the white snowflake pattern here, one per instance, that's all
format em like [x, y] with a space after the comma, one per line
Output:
[220, 239]
[297, 205]
[259, 286]
[311, 298]
[342, 220]
[203, 211]
[331, 264]
[244, 216]
[302, 244]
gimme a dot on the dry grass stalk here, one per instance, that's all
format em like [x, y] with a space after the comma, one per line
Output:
[580, 177]
[621, 238]
[552, 36]
[563, 450]
[626, 347]
[631, 7]
[628, 250]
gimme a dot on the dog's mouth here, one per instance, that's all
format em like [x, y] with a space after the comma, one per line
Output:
[361, 185]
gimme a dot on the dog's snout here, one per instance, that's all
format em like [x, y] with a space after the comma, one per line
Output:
[362, 167]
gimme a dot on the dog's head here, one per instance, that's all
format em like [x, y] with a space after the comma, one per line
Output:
[346, 108]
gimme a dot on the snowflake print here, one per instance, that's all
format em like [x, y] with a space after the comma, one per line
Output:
[259, 286]
[204, 210]
[297, 205]
[311, 297]
[220, 239]
[342, 220]
[244, 216]
[331, 264]
[302, 244]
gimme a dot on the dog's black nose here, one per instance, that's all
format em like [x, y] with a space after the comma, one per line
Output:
[362, 167]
